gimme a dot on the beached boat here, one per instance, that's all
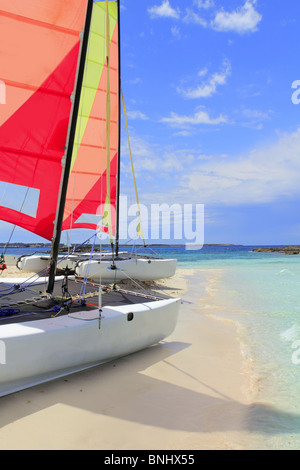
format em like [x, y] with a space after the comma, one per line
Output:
[37, 263]
[40, 342]
[104, 267]
[126, 267]
[66, 153]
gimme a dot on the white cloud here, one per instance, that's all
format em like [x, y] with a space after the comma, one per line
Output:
[163, 10]
[194, 18]
[175, 32]
[142, 153]
[256, 114]
[135, 81]
[242, 20]
[203, 72]
[149, 159]
[204, 3]
[254, 118]
[183, 133]
[136, 115]
[200, 117]
[265, 175]
[210, 86]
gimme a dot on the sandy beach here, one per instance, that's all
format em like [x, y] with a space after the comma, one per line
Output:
[192, 391]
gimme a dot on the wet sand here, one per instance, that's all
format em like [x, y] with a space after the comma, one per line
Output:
[190, 392]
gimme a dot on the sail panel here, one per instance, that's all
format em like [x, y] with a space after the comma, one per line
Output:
[39, 47]
[35, 37]
[87, 188]
[38, 69]
[59, 15]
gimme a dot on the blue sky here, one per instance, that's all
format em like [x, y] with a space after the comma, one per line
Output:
[208, 86]
[208, 90]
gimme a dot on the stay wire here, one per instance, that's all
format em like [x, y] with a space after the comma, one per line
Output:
[14, 227]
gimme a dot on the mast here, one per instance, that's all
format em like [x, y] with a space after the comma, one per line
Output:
[68, 158]
[119, 138]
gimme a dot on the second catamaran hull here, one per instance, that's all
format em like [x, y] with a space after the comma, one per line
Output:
[39, 351]
[138, 269]
[40, 263]
[141, 269]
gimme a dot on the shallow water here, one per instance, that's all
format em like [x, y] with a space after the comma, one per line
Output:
[261, 293]
[264, 299]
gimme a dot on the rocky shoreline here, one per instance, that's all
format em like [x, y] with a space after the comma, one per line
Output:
[288, 250]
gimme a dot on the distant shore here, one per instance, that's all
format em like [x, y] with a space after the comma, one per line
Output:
[288, 250]
[48, 245]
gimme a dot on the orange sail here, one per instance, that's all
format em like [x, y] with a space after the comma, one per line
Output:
[93, 174]
[39, 47]
[40, 50]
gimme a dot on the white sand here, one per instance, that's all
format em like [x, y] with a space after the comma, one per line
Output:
[12, 270]
[189, 392]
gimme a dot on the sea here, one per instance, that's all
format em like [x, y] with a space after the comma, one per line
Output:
[261, 292]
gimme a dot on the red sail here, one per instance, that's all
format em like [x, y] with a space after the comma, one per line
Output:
[93, 176]
[39, 47]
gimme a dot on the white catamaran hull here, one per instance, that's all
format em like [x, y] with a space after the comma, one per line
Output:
[39, 351]
[39, 263]
[135, 268]
[34, 263]
[141, 269]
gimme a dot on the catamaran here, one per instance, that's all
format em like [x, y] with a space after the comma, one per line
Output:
[107, 267]
[60, 142]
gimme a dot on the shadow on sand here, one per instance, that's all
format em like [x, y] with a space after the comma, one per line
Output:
[123, 391]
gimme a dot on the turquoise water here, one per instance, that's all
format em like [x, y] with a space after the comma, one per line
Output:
[265, 294]
[262, 294]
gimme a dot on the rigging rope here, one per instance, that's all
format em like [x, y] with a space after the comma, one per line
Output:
[14, 227]
[86, 275]
[9, 289]
[139, 226]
